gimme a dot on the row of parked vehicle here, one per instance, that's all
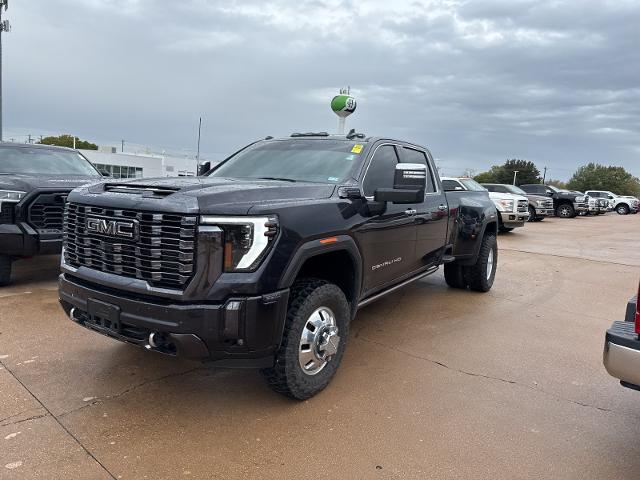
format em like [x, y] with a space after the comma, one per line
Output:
[533, 202]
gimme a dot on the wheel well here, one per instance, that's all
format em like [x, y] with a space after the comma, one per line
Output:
[492, 228]
[336, 267]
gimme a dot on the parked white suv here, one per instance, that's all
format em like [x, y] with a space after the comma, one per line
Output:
[622, 205]
[513, 210]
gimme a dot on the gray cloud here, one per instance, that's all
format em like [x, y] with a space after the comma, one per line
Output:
[555, 82]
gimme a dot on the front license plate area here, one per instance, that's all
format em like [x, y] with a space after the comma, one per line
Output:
[104, 316]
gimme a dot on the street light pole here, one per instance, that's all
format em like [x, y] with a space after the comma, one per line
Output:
[4, 26]
[515, 174]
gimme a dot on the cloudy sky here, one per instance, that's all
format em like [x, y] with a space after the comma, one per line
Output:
[477, 81]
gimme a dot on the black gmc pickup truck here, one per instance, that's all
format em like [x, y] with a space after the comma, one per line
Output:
[264, 261]
[34, 183]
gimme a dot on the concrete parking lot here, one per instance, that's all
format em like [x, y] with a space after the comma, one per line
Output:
[436, 383]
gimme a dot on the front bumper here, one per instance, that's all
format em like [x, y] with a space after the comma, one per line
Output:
[244, 331]
[514, 220]
[622, 353]
[544, 212]
[21, 240]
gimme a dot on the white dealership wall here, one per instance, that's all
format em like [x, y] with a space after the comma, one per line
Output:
[152, 165]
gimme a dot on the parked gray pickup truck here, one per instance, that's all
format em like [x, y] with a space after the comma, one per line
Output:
[539, 206]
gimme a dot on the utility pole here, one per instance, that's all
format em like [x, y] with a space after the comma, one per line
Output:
[198, 152]
[515, 174]
[74, 142]
[544, 175]
[122, 147]
[29, 139]
[4, 27]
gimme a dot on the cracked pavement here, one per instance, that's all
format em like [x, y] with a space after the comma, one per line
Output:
[436, 383]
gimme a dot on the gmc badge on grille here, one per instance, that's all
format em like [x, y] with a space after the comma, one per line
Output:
[113, 228]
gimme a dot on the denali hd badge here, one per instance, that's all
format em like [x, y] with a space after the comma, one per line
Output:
[113, 228]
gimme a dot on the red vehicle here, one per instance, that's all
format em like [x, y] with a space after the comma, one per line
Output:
[622, 347]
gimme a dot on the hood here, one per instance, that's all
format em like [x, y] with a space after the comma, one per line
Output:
[27, 183]
[538, 198]
[210, 194]
[505, 196]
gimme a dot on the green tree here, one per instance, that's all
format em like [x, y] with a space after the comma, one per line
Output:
[527, 173]
[67, 141]
[594, 176]
[557, 183]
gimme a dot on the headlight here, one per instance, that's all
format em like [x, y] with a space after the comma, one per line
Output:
[505, 205]
[580, 199]
[246, 240]
[12, 196]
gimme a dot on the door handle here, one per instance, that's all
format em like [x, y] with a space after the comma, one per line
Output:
[442, 207]
[410, 211]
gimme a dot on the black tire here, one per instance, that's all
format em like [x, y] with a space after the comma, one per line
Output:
[565, 210]
[479, 277]
[287, 376]
[454, 275]
[532, 214]
[504, 229]
[5, 270]
[622, 209]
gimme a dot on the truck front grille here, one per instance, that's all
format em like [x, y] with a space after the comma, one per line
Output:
[523, 206]
[160, 250]
[548, 204]
[46, 211]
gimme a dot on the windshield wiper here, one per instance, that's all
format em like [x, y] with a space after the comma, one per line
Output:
[278, 178]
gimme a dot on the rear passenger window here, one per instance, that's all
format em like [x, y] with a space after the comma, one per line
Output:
[416, 156]
[381, 170]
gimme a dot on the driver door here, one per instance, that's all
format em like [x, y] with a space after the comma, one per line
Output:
[387, 240]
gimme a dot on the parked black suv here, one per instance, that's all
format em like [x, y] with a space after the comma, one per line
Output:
[34, 183]
[264, 261]
[565, 204]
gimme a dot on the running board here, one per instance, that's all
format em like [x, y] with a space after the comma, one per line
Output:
[377, 296]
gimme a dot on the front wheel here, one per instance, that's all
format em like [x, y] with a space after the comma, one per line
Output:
[5, 270]
[532, 214]
[622, 209]
[480, 276]
[565, 211]
[314, 339]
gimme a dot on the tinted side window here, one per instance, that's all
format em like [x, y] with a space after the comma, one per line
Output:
[381, 170]
[415, 156]
[451, 185]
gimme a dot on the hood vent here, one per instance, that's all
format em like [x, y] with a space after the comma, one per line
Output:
[140, 190]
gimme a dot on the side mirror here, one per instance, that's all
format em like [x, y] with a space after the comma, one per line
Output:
[409, 184]
[549, 193]
[204, 168]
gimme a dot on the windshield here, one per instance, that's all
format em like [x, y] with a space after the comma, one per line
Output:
[472, 185]
[555, 189]
[320, 161]
[516, 190]
[42, 161]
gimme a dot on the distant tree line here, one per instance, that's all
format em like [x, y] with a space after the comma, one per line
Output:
[67, 141]
[592, 176]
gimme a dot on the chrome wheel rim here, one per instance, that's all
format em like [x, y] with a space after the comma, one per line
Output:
[490, 264]
[621, 210]
[319, 341]
[564, 211]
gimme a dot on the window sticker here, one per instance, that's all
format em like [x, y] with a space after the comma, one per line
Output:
[357, 148]
[333, 179]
